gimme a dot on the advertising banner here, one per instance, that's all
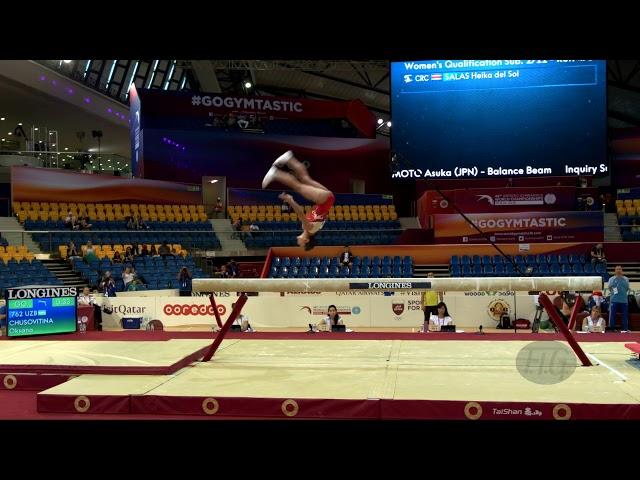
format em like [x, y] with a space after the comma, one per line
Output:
[520, 227]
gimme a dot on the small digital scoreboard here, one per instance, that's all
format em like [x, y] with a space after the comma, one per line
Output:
[41, 310]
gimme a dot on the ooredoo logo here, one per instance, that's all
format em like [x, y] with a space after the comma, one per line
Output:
[194, 310]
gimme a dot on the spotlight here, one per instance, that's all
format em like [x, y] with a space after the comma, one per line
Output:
[248, 85]
[389, 124]
[380, 121]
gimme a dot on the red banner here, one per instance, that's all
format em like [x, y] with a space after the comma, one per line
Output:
[520, 227]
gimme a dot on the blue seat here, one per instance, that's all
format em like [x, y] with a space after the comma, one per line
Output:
[577, 269]
[574, 259]
[563, 259]
[552, 258]
[465, 260]
[497, 259]
[355, 271]
[600, 268]
[486, 260]
[543, 269]
[375, 271]
[455, 260]
[588, 269]
[565, 268]
[477, 260]
[466, 270]
[499, 270]
[303, 272]
[365, 271]
[487, 270]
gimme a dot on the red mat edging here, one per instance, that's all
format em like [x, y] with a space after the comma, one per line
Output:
[305, 408]
[83, 404]
[473, 410]
[255, 407]
[31, 381]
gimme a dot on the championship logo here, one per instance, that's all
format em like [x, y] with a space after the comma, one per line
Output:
[397, 308]
[497, 308]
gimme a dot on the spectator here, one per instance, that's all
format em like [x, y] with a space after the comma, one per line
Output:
[619, 299]
[233, 268]
[117, 258]
[72, 250]
[346, 257]
[175, 252]
[130, 223]
[597, 255]
[108, 285]
[145, 251]
[635, 228]
[127, 276]
[142, 224]
[594, 322]
[218, 208]
[224, 273]
[184, 282]
[242, 321]
[254, 228]
[128, 255]
[85, 298]
[237, 227]
[430, 299]
[164, 250]
[68, 220]
[438, 320]
[84, 224]
[153, 252]
[89, 252]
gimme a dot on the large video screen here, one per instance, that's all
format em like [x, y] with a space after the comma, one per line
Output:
[498, 118]
[40, 311]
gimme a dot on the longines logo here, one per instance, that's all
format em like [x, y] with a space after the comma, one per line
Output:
[17, 293]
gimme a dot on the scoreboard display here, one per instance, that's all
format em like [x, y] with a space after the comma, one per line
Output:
[41, 311]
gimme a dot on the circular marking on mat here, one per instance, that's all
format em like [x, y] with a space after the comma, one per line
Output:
[546, 363]
[82, 404]
[210, 406]
[10, 382]
[473, 410]
[562, 412]
[290, 408]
